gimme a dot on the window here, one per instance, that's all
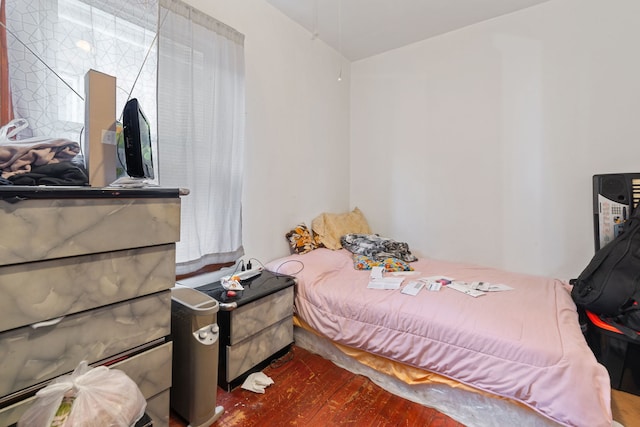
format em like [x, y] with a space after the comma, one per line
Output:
[192, 69]
[201, 114]
[52, 45]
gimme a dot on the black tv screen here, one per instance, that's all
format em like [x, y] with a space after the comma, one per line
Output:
[137, 141]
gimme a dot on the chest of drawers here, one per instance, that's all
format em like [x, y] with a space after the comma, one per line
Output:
[85, 274]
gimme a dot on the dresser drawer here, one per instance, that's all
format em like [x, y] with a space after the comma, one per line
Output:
[150, 370]
[158, 408]
[31, 355]
[44, 290]
[56, 228]
[11, 414]
[247, 354]
[251, 318]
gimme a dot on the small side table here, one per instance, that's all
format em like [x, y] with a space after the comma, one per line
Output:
[256, 325]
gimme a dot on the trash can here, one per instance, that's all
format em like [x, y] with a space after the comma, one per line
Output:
[195, 356]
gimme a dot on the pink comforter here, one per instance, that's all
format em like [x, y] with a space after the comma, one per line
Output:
[524, 344]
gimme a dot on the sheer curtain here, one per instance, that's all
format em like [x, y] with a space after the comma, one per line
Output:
[201, 116]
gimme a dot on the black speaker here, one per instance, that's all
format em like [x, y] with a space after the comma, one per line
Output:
[614, 187]
[615, 196]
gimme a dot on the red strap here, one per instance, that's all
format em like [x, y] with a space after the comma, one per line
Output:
[595, 319]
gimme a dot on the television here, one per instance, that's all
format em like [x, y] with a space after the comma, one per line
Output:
[137, 141]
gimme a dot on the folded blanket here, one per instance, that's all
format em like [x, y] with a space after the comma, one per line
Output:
[376, 247]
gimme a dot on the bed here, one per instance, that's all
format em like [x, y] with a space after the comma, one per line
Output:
[515, 357]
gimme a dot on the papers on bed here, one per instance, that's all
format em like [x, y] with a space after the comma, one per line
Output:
[538, 357]
[477, 289]
[466, 289]
[412, 288]
[432, 283]
[378, 281]
[385, 283]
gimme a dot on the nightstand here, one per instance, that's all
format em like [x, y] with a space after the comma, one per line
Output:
[256, 326]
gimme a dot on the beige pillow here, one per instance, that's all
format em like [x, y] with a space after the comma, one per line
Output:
[330, 227]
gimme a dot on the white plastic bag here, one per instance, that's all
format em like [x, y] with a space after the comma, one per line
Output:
[9, 136]
[93, 397]
[10, 131]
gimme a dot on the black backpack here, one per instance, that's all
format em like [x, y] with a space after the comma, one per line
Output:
[610, 284]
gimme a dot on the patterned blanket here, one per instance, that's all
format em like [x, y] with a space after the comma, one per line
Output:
[376, 247]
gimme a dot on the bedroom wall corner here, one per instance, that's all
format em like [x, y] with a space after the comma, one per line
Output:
[479, 145]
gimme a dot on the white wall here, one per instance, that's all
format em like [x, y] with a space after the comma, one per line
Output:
[297, 134]
[480, 145]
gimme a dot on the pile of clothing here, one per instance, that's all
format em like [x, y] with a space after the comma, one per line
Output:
[38, 160]
[376, 247]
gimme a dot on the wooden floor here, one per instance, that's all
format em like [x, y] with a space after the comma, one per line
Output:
[625, 408]
[310, 390]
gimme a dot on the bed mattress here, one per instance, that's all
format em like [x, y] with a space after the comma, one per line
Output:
[524, 344]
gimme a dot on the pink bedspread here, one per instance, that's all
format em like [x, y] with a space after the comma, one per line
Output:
[524, 344]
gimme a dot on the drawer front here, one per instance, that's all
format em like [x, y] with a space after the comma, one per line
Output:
[47, 229]
[29, 356]
[11, 414]
[43, 290]
[251, 318]
[158, 409]
[148, 370]
[247, 354]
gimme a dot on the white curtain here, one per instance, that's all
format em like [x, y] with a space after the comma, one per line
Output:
[201, 118]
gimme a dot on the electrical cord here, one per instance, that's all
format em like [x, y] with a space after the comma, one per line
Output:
[283, 360]
[286, 262]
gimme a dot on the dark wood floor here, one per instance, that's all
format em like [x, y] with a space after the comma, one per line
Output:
[625, 408]
[311, 391]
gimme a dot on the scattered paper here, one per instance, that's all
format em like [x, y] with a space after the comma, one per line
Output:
[465, 289]
[490, 287]
[434, 283]
[443, 280]
[376, 273]
[385, 283]
[405, 273]
[476, 289]
[434, 286]
[412, 288]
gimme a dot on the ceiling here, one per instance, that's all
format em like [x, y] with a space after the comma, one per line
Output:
[362, 28]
